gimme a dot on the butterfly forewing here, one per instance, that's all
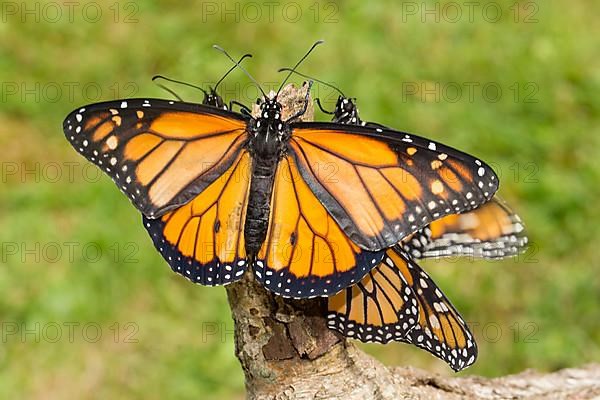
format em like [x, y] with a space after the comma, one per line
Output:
[386, 184]
[160, 153]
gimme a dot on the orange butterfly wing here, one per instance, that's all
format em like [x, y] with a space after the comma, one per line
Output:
[440, 330]
[492, 230]
[380, 308]
[160, 153]
[203, 240]
[437, 328]
[386, 184]
[306, 253]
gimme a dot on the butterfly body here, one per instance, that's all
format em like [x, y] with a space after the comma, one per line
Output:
[268, 136]
[266, 146]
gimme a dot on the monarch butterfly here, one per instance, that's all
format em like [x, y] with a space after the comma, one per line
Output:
[397, 300]
[221, 191]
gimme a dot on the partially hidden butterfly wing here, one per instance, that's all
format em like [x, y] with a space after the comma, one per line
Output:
[160, 153]
[306, 253]
[381, 185]
[492, 230]
[438, 328]
[380, 308]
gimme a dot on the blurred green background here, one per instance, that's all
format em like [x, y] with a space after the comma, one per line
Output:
[90, 310]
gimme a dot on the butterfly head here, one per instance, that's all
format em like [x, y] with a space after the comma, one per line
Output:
[270, 114]
[346, 111]
[269, 131]
[212, 98]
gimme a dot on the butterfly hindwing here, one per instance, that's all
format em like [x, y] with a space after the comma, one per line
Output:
[306, 253]
[381, 185]
[424, 316]
[380, 308]
[440, 329]
[492, 230]
[160, 153]
[203, 240]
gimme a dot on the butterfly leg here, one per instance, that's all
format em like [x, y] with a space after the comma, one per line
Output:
[243, 108]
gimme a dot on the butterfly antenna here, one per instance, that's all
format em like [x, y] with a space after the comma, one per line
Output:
[231, 69]
[237, 64]
[163, 87]
[318, 42]
[312, 79]
[155, 77]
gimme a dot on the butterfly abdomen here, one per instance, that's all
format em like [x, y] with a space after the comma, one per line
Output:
[259, 200]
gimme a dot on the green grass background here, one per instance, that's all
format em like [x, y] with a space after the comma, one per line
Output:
[538, 311]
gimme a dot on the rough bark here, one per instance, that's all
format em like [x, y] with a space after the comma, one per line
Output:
[287, 351]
